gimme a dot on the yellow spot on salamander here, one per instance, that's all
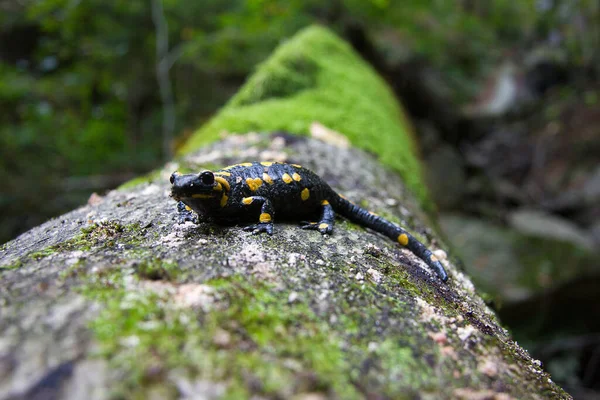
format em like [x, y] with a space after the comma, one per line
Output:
[247, 200]
[286, 178]
[223, 173]
[265, 217]
[224, 199]
[223, 182]
[296, 165]
[218, 187]
[202, 196]
[246, 164]
[296, 177]
[254, 184]
[305, 194]
[187, 208]
[403, 239]
[267, 178]
[433, 258]
[266, 163]
[372, 213]
[323, 226]
[324, 203]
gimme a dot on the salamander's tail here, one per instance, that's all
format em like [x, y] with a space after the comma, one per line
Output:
[363, 217]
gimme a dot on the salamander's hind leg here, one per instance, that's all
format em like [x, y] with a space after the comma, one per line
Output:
[325, 225]
[184, 213]
[265, 220]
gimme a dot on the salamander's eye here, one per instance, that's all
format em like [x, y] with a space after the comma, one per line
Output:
[172, 178]
[207, 178]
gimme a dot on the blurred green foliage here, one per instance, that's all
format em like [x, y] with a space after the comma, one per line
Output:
[79, 95]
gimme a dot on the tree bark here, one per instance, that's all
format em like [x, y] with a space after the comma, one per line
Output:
[117, 300]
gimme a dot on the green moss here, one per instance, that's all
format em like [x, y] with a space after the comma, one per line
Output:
[317, 77]
[43, 253]
[349, 225]
[288, 77]
[402, 277]
[73, 271]
[140, 334]
[104, 234]
[401, 365]
[157, 269]
[254, 341]
[15, 265]
[101, 234]
[364, 313]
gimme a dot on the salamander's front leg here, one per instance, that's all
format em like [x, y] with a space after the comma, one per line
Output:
[184, 213]
[265, 220]
[325, 225]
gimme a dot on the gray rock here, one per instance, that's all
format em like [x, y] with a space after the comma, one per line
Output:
[539, 224]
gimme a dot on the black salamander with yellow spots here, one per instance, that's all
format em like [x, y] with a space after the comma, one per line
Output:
[243, 192]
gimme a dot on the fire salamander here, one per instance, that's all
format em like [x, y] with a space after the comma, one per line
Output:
[268, 189]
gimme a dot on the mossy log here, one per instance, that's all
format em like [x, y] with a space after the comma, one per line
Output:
[117, 300]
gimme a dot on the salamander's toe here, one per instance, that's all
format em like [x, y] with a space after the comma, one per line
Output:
[260, 227]
[322, 227]
[185, 214]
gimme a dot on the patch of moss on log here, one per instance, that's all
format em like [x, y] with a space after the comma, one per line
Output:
[100, 234]
[142, 335]
[315, 76]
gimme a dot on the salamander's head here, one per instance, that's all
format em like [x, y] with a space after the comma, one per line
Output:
[192, 188]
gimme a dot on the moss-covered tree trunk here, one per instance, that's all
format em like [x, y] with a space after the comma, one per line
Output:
[117, 300]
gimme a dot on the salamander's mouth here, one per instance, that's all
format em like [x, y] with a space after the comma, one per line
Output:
[202, 196]
[180, 196]
[175, 196]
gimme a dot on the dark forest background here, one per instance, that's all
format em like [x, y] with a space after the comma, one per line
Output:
[504, 96]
